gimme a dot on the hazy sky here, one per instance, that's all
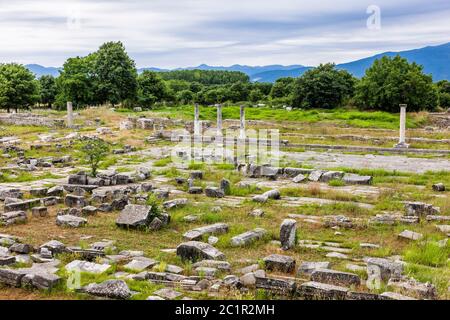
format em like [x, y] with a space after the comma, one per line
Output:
[179, 33]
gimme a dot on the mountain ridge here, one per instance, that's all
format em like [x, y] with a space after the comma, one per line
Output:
[435, 60]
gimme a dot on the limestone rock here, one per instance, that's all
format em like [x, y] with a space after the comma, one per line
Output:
[113, 289]
[85, 266]
[335, 277]
[248, 237]
[309, 267]
[287, 233]
[214, 192]
[134, 216]
[197, 233]
[70, 221]
[276, 262]
[322, 291]
[195, 250]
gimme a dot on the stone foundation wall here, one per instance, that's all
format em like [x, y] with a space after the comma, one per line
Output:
[29, 119]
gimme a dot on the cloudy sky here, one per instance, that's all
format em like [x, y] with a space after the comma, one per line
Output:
[180, 33]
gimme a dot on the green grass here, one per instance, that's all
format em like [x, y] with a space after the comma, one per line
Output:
[162, 162]
[25, 176]
[336, 183]
[354, 118]
[428, 254]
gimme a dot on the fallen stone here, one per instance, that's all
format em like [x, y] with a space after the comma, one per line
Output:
[220, 265]
[350, 178]
[214, 192]
[195, 250]
[73, 201]
[85, 266]
[248, 237]
[322, 291]
[256, 213]
[315, 175]
[279, 286]
[113, 289]
[22, 206]
[394, 296]
[7, 260]
[276, 262]
[299, 178]
[420, 209]
[21, 248]
[197, 233]
[14, 217]
[134, 216]
[176, 203]
[439, 187]
[168, 293]
[309, 267]
[70, 221]
[288, 231]
[56, 191]
[140, 263]
[39, 212]
[335, 277]
[331, 175]
[410, 235]
[415, 288]
[384, 268]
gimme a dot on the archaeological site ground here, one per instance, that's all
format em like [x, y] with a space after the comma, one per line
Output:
[343, 215]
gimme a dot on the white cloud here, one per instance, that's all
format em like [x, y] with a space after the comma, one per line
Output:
[189, 32]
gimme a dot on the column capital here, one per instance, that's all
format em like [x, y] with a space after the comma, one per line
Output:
[403, 105]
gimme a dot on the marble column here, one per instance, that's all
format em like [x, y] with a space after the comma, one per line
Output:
[69, 114]
[242, 127]
[196, 120]
[219, 120]
[402, 139]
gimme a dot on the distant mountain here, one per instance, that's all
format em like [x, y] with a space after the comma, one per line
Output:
[435, 59]
[152, 69]
[273, 75]
[39, 70]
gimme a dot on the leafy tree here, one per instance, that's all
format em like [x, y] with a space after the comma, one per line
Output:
[255, 95]
[393, 81]
[115, 74]
[48, 90]
[282, 88]
[151, 88]
[443, 88]
[95, 150]
[18, 87]
[206, 77]
[185, 96]
[264, 87]
[322, 87]
[239, 91]
[76, 82]
[178, 85]
[196, 87]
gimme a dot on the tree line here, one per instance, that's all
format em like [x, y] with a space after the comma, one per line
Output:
[109, 76]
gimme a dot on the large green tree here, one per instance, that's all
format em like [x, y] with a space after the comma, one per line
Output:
[48, 90]
[18, 87]
[322, 87]
[115, 74]
[151, 88]
[443, 88]
[393, 81]
[76, 82]
[282, 88]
